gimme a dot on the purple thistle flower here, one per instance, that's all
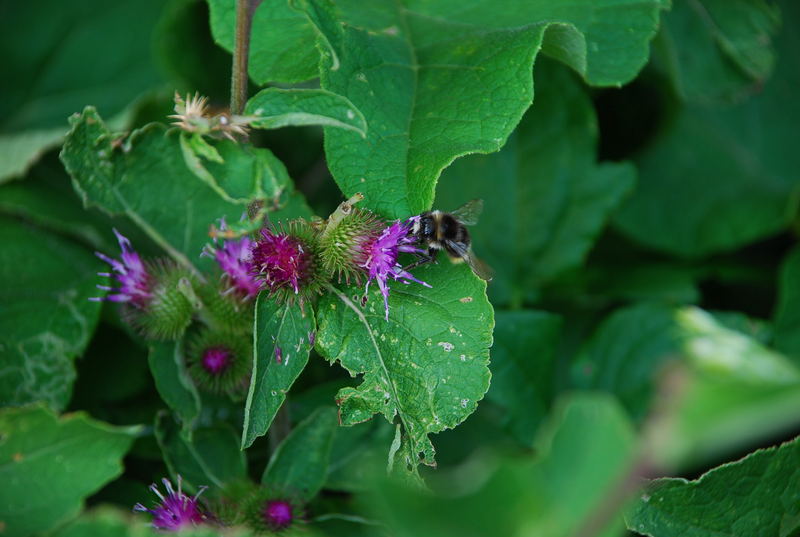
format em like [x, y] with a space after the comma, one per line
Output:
[277, 514]
[131, 274]
[281, 260]
[176, 511]
[216, 360]
[381, 262]
[235, 259]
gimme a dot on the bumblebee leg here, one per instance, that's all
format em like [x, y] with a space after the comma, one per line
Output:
[423, 258]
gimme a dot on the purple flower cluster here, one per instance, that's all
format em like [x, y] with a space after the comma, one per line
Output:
[175, 511]
[235, 259]
[131, 273]
[381, 262]
[277, 514]
[281, 261]
[216, 360]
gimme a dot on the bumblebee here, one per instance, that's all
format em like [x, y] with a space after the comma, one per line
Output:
[439, 230]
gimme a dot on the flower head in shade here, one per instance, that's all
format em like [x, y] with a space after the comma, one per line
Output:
[219, 361]
[286, 262]
[269, 511]
[235, 260]
[135, 282]
[381, 257]
[176, 510]
[277, 514]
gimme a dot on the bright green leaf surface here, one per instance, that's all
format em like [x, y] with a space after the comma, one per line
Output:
[545, 197]
[717, 178]
[551, 495]
[717, 50]
[282, 45]
[426, 365]
[211, 457]
[49, 465]
[300, 464]
[147, 172]
[277, 107]
[282, 341]
[47, 74]
[172, 380]
[46, 318]
[757, 495]
[787, 314]
[522, 368]
[436, 81]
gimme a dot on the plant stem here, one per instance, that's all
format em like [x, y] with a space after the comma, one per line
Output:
[241, 53]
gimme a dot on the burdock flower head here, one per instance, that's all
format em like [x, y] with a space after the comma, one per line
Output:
[176, 510]
[235, 259]
[192, 115]
[286, 261]
[219, 361]
[268, 511]
[158, 296]
[381, 257]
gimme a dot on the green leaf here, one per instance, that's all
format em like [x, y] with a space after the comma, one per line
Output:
[147, 172]
[49, 466]
[436, 81]
[757, 495]
[550, 495]
[732, 174]
[546, 198]
[50, 77]
[787, 313]
[523, 373]
[275, 108]
[211, 457]
[46, 318]
[282, 44]
[173, 382]
[626, 353]
[426, 365]
[300, 464]
[282, 340]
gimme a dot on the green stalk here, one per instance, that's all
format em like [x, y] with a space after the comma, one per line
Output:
[241, 53]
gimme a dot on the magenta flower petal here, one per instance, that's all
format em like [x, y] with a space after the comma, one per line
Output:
[277, 514]
[281, 260]
[175, 511]
[381, 263]
[235, 259]
[130, 272]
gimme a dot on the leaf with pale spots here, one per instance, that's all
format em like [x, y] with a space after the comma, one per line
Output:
[427, 365]
[283, 334]
[438, 80]
[49, 465]
[277, 107]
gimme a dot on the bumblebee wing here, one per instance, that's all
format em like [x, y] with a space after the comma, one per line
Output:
[481, 269]
[468, 213]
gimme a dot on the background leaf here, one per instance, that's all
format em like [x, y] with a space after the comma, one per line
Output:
[174, 385]
[46, 319]
[757, 495]
[287, 327]
[50, 465]
[300, 464]
[426, 365]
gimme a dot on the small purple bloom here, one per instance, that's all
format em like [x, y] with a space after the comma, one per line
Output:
[131, 274]
[381, 263]
[277, 514]
[278, 354]
[281, 260]
[216, 360]
[235, 259]
[176, 511]
[312, 337]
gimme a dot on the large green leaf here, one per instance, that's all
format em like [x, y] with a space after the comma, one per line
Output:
[583, 454]
[283, 337]
[46, 318]
[49, 466]
[787, 313]
[716, 178]
[717, 49]
[211, 457]
[757, 495]
[438, 80]
[300, 464]
[545, 197]
[523, 374]
[152, 169]
[174, 385]
[45, 48]
[282, 43]
[426, 365]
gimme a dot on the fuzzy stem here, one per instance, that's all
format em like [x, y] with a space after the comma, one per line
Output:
[241, 53]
